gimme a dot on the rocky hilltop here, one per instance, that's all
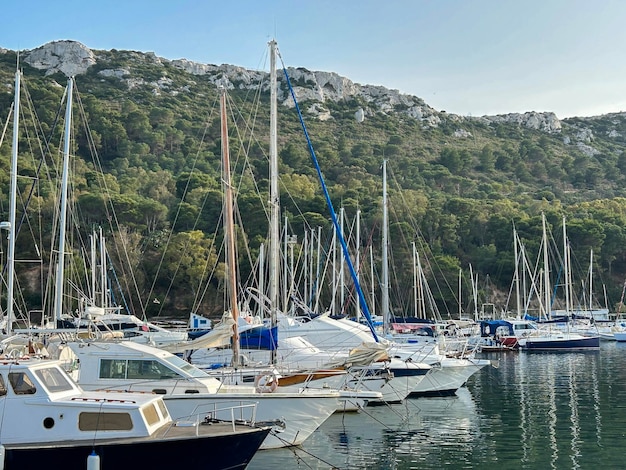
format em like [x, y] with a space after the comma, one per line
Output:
[73, 58]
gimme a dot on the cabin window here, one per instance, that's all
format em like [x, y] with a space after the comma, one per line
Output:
[192, 370]
[149, 369]
[112, 368]
[163, 409]
[151, 415]
[3, 386]
[89, 421]
[53, 379]
[21, 383]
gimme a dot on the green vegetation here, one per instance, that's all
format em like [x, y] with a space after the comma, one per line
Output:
[157, 168]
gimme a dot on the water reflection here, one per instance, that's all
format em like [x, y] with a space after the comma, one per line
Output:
[557, 411]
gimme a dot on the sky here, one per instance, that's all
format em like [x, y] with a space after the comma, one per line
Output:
[468, 57]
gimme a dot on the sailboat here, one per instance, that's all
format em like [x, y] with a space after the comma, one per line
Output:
[294, 416]
[95, 313]
[48, 420]
[448, 374]
[395, 385]
[550, 338]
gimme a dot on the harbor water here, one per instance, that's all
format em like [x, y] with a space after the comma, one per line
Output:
[531, 411]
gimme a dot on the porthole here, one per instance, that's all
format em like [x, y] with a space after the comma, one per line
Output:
[48, 423]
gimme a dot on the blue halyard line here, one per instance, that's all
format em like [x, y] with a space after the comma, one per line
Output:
[344, 246]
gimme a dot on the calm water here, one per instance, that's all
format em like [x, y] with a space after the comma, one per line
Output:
[534, 411]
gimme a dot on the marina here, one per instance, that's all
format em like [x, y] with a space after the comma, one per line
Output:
[535, 410]
[319, 360]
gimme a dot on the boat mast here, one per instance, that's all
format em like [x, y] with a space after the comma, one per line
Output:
[566, 269]
[92, 252]
[12, 205]
[474, 281]
[385, 267]
[317, 269]
[373, 290]
[358, 261]
[103, 271]
[546, 273]
[342, 263]
[460, 293]
[274, 197]
[229, 229]
[591, 283]
[64, 190]
[517, 283]
[415, 288]
[285, 270]
[262, 280]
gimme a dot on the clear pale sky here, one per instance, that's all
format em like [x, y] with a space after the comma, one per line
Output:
[469, 57]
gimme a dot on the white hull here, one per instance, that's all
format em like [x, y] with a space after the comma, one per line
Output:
[451, 375]
[620, 337]
[293, 420]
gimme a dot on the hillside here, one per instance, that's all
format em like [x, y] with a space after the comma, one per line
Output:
[457, 183]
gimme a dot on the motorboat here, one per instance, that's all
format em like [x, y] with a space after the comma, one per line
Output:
[130, 366]
[48, 421]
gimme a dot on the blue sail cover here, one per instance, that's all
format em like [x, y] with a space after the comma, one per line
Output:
[489, 327]
[261, 337]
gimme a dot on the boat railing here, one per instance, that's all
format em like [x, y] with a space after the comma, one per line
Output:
[236, 412]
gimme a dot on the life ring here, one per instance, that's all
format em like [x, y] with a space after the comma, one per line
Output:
[266, 383]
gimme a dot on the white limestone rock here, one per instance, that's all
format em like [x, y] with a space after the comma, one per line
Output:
[584, 135]
[588, 150]
[72, 58]
[321, 113]
[546, 122]
[69, 57]
[462, 133]
[117, 73]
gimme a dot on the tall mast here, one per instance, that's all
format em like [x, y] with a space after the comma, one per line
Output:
[262, 280]
[285, 270]
[229, 229]
[13, 204]
[591, 283]
[460, 296]
[317, 269]
[415, 296]
[342, 263]
[274, 197]
[92, 240]
[103, 271]
[385, 279]
[546, 272]
[566, 268]
[358, 260]
[517, 274]
[64, 190]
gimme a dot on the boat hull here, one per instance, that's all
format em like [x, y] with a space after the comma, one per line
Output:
[293, 419]
[565, 343]
[620, 336]
[232, 450]
[446, 379]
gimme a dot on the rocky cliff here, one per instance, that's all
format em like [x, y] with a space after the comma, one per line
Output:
[313, 87]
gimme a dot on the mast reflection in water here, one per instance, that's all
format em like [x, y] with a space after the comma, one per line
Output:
[548, 411]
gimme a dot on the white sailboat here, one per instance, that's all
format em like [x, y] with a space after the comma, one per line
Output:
[551, 338]
[75, 428]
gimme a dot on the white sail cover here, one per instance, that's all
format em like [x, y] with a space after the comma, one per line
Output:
[219, 336]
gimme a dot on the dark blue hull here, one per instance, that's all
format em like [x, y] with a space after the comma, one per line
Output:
[576, 344]
[229, 451]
